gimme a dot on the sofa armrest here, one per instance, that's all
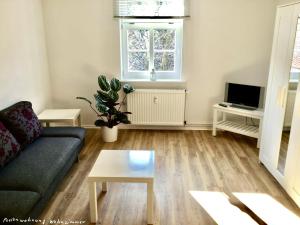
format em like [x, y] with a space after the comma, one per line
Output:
[76, 132]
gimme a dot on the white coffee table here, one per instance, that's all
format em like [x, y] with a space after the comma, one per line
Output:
[60, 116]
[122, 166]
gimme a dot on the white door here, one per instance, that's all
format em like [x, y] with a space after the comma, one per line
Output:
[281, 59]
[273, 128]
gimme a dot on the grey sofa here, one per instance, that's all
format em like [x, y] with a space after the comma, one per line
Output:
[28, 182]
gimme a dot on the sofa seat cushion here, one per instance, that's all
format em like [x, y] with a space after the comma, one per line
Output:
[22, 122]
[76, 132]
[39, 164]
[17, 204]
[9, 147]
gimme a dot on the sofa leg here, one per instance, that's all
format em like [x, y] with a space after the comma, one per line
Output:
[77, 159]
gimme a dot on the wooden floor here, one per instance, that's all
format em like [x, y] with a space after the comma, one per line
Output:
[185, 161]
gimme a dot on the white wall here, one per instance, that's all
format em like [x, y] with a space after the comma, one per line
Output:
[23, 59]
[223, 41]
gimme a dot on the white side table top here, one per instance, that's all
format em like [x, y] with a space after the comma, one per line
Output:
[59, 114]
[124, 165]
[258, 113]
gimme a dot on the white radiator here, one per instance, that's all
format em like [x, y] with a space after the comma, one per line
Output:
[157, 107]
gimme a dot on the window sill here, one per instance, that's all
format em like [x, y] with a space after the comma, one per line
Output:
[150, 81]
[176, 84]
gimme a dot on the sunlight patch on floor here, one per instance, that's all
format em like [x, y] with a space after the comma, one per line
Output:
[217, 205]
[268, 209]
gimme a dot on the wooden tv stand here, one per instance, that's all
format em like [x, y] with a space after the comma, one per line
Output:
[237, 126]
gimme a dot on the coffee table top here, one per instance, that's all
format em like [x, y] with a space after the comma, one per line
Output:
[123, 166]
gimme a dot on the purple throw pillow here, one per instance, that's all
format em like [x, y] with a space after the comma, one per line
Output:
[9, 147]
[22, 122]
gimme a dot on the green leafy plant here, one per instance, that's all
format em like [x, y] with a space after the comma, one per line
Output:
[107, 107]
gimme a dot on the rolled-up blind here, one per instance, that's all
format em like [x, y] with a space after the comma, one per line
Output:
[151, 8]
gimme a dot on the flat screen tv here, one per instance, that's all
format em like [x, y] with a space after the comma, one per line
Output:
[244, 96]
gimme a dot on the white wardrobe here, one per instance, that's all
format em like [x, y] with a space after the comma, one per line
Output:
[280, 141]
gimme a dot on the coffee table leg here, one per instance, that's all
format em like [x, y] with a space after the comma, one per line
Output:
[79, 121]
[150, 202]
[93, 202]
[104, 186]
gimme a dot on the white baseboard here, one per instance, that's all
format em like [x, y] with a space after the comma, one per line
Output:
[141, 127]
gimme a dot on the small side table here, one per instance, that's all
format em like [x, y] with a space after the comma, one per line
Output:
[235, 126]
[60, 115]
[125, 166]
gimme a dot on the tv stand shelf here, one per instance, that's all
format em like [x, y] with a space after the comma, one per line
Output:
[236, 126]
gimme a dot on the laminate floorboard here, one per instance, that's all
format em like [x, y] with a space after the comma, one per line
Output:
[185, 161]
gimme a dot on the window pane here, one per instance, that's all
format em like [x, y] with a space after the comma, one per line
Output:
[138, 61]
[164, 39]
[138, 39]
[164, 61]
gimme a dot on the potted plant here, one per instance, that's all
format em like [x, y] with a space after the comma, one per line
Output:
[107, 107]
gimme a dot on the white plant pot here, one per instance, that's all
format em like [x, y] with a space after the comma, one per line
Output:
[109, 134]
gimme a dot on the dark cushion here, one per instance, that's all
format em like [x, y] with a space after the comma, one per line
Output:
[76, 132]
[9, 147]
[39, 164]
[17, 204]
[22, 122]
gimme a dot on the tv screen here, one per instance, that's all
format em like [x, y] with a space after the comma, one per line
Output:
[245, 95]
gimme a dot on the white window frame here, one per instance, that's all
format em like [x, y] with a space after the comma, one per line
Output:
[151, 25]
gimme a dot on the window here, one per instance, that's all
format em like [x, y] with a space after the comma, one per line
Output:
[151, 50]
